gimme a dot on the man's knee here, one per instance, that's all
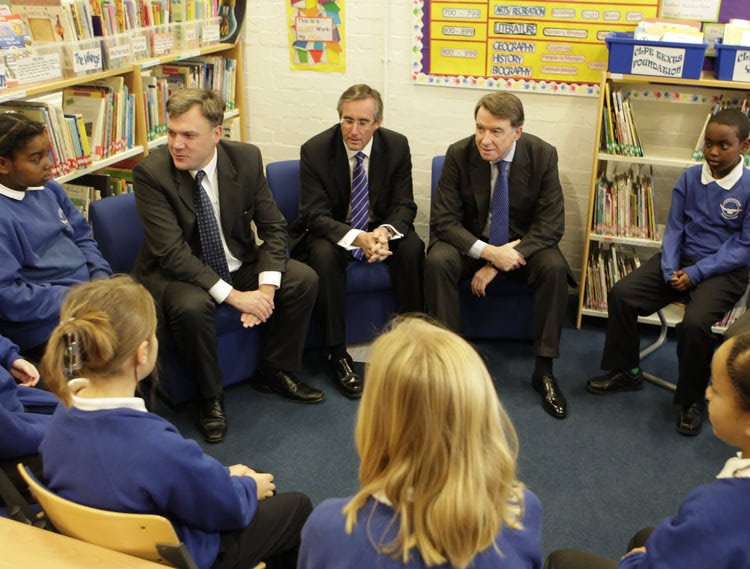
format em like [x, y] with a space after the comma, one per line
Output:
[188, 304]
[411, 247]
[325, 256]
[299, 280]
[443, 261]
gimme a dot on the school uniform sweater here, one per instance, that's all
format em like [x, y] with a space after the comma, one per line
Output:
[126, 459]
[20, 432]
[709, 222]
[326, 545]
[710, 530]
[45, 247]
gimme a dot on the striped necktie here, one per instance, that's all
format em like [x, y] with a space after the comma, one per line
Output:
[360, 200]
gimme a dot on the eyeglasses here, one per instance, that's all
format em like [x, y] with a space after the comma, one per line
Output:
[361, 123]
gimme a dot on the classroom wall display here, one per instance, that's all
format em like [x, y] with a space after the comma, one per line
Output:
[316, 35]
[547, 46]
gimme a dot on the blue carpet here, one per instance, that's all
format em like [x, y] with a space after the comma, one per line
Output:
[613, 466]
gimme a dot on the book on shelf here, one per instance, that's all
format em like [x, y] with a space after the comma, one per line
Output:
[608, 263]
[45, 20]
[92, 105]
[620, 133]
[231, 129]
[12, 32]
[624, 207]
[81, 195]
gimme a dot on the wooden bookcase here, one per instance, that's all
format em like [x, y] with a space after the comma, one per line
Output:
[670, 114]
[132, 77]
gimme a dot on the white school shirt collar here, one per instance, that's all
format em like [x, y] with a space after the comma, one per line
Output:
[728, 181]
[102, 403]
[736, 467]
[17, 195]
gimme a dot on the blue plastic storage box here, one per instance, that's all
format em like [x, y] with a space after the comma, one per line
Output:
[732, 62]
[654, 58]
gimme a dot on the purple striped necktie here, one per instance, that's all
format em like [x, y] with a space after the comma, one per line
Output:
[360, 200]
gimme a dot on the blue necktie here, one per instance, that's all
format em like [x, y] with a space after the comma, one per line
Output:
[499, 221]
[360, 200]
[208, 229]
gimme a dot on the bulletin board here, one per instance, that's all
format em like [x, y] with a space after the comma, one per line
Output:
[545, 46]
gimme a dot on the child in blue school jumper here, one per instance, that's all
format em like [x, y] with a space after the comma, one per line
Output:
[704, 262]
[437, 471]
[103, 449]
[25, 412]
[45, 242]
[711, 527]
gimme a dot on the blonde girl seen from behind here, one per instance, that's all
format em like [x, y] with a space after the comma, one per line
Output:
[438, 464]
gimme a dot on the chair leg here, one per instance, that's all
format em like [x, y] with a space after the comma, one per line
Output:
[651, 348]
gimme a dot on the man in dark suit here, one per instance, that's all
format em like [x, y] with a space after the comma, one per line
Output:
[498, 208]
[357, 205]
[196, 200]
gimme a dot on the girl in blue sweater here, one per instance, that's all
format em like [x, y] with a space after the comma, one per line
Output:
[711, 528]
[103, 449]
[45, 243]
[438, 467]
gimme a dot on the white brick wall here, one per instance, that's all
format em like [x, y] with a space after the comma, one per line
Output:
[285, 107]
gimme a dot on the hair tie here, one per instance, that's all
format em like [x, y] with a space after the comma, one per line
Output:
[72, 357]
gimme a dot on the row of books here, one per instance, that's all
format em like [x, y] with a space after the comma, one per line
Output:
[624, 207]
[720, 105]
[71, 20]
[620, 135]
[108, 182]
[161, 81]
[608, 263]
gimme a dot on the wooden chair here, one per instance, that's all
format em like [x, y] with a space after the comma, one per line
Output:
[147, 536]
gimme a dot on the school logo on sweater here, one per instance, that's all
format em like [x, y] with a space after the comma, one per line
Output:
[731, 208]
[63, 219]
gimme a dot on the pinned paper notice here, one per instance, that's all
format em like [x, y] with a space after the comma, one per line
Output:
[314, 29]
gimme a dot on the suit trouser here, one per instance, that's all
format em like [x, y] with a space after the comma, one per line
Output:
[546, 272]
[273, 535]
[643, 292]
[405, 266]
[190, 314]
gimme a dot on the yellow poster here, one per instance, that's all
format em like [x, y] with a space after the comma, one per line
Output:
[541, 45]
[316, 35]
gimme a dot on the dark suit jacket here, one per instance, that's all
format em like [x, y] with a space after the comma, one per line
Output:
[164, 198]
[325, 187]
[461, 203]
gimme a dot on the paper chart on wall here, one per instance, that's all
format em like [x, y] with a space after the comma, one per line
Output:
[316, 35]
[545, 46]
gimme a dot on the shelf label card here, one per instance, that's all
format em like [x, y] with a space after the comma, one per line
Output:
[38, 68]
[741, 66]
[163, 43]
[12, 96]
[657, 61]
[140, 45]
[188, 55]
[87, 60]
[211, 34]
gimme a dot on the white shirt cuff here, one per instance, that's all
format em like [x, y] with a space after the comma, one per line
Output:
[475, 252]
[346, 240]
[220, 291]
[393, 233]
[270, 278]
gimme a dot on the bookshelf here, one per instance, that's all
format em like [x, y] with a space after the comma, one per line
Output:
[132, 76]
[669, 114]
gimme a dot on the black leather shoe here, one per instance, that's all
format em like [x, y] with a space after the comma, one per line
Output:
[553, 400]
[690, 420]
[287, 385]
[347, 380]
[212, 421]
[618, 380]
